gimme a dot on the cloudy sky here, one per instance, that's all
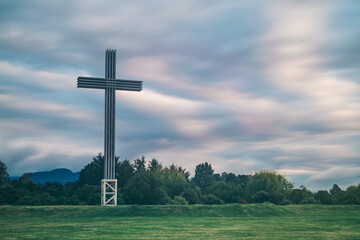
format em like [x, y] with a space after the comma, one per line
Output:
[243, 85]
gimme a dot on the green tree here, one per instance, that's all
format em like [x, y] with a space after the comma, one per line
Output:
[55, 189]
[3, 174]
[89, 194]
[178, 200]
[260, 197]
[211, 199]
[299, 195]
[191, 196]
[337, 194]
[172, 166]
[229, 192]
[335, 189]
[139, 164]
[25, 182]
[354, 190]
[25, 178]
[184, 172]
[277, 198]
[45, 199]
[243, 180]
[154, 165]
[145, 187]
[93, 173]
[324, 197]
[174, 181]
[126, 171]
[268, 181]
[180, 169]
[204, 176]
[229, 177]
[28, 200]
[238, 180]
[351, 199]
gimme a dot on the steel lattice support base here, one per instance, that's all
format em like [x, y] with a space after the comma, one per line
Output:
[109, 192]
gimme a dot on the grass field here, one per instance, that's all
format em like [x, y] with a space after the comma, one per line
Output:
[234, 221]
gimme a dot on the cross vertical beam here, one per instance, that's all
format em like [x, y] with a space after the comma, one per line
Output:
[109, 138]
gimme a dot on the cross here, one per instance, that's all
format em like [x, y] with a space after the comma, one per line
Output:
[110, 84]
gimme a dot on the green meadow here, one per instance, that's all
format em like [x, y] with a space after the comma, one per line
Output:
[232, 221]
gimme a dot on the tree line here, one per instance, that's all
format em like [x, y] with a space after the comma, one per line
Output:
[149, 183]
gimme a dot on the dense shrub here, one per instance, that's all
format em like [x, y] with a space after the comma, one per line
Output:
[276, 198]
[28, 201]
[89, 194]
[285, 202]
[323, 197]
[229, 192]
[211, 199]
[144, 187]
[351, 199]
[309, 200]
[46, 199]
[298, 195]
[269, 181]
[354, 190]
[174, 181]
[191, 196]
[178, 200]
[260, 197]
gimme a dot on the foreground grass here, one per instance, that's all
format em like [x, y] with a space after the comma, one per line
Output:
[234, 221]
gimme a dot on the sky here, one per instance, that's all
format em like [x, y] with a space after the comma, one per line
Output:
[243, 85]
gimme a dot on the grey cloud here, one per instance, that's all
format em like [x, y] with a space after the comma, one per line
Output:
[341, 175]
[205, 44]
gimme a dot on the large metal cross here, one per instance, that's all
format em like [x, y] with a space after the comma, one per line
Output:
[110, 84]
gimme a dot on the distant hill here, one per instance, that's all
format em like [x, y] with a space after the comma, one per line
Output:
[61, 175]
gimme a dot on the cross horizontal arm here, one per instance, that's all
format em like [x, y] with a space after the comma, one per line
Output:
[103, 83]
[109, 79]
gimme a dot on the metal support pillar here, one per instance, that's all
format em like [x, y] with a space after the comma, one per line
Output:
[109, 180]
[109, 140]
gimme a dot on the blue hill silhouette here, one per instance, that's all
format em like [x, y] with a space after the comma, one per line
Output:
[61, 175]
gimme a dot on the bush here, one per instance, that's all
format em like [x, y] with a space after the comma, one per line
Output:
[89, 194]
[324, 197]
[298, 195]
[228, 192]
[46, 199]
[260, 197]
[276, 198]
[120, 199]
[28, 200]
[211, 199]
[144, 188]
[309, 200]
[178, 200]
[354, 190]
[268, 181]
[166, 200]
[174, 181]
[285, 202]
[351, 199]
[72, 200]
[191, 196]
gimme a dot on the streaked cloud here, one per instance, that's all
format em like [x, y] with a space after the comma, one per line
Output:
[244, 86]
